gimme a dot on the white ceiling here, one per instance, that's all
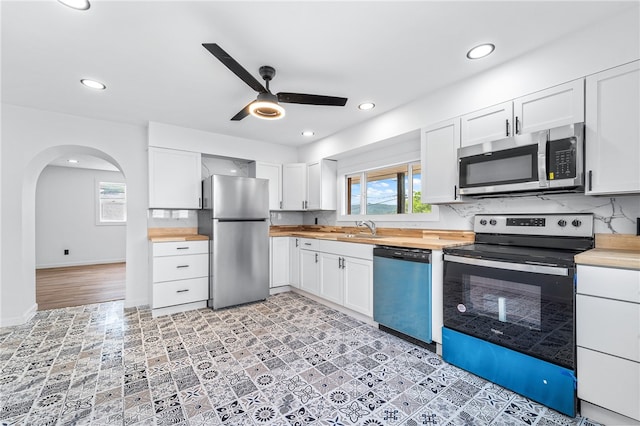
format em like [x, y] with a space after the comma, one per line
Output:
[149, 55]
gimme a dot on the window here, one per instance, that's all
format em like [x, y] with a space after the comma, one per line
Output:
[385, 191]
[112, 203]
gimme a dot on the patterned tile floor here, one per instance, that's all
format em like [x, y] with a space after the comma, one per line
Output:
[285, 361]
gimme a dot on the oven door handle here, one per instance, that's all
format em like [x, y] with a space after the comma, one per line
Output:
[521, 267]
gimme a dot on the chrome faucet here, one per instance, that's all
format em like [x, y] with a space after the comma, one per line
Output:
[369, 224]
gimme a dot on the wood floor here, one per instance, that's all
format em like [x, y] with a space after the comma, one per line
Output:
[79, 285]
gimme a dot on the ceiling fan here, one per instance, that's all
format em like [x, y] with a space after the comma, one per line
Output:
[267, 104]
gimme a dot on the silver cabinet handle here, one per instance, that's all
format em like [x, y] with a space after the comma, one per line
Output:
[316, 257]
[182, 266]
[307, 244]
[507, 127]
[182, 248]
[182, 291]
[297, 242]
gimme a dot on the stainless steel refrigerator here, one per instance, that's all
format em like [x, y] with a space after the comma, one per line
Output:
[234, 216]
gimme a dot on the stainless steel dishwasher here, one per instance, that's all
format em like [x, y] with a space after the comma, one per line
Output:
[402, 291]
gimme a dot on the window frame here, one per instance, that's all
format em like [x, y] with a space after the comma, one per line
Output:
[98, 216]
[343, 192]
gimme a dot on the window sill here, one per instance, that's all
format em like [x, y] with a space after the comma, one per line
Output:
[434, 216]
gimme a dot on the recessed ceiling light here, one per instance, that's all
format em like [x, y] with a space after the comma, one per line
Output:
[308, 133]
[480, 51]
[72, 161]
[93, 84]
[366, 106]
[76, 4]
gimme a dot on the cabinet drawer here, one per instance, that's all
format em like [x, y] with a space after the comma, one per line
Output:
[177, 292]
[610, 382]
[608, 326]
[309, 244]
[170, 268]
[362, 251]
[620, 284]
[180, 248]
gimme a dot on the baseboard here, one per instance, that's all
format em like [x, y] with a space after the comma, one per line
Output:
[19, 320]
[81, 263]
[604, 416]
[354, 314]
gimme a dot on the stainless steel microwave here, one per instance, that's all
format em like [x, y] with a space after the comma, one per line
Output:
[547, 160]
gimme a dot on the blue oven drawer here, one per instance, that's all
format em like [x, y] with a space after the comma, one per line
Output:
[402, 296]
[547, 383]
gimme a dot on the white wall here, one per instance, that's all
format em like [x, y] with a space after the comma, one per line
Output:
[169, 136]
[599, 47]
[31, 139]
[66, 218]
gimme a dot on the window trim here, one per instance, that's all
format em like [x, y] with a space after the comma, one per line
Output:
[342, 215]
[98, 219]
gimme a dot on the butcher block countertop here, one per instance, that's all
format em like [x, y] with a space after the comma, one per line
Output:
[613, 250]
[159, 235]
[411, 238]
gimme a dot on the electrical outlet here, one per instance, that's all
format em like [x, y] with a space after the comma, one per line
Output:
[66, 252]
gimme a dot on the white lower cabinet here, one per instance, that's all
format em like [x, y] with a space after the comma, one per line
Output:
[339, 272]
[310, 271]
[358, 285]
[608, 340]
[294, 262]
[180, 273]
[279, 260]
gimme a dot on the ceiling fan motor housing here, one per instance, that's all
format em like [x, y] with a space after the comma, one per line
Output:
[266, 106]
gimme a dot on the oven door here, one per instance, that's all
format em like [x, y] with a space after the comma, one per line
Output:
[527, 308]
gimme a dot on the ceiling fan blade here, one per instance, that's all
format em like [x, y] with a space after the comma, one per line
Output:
[234, 66]
[301, 98]
[243, 113]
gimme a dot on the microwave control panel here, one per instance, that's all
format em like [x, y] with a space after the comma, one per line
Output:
[561, 159]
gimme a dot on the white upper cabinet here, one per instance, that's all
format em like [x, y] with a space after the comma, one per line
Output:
[612, 131]
[294, 186]
[273, 173]
[321, 185]
[488, 124]
[546, 109]
[553, 107]
[439, 160]
[174, 179]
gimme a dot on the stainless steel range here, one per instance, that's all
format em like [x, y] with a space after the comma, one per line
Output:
[509, 303]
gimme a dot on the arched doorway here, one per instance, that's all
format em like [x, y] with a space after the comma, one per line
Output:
[80, 233]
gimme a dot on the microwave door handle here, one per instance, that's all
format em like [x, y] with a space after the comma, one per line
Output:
[521, 267]
[542, 159]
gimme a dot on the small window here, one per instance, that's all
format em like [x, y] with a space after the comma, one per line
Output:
[112, 203]
[388, 191]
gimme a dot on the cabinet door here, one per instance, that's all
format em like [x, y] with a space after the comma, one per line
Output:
[488, 124]
[294, 262]
[294, 186]
[174, 179]
[273, 173]
[609, 382]
[309, 275]
[279, 255]
[321, 185]
[331, 277]
[612, 131]
[557, 106]
[439, 159]
[358, 285]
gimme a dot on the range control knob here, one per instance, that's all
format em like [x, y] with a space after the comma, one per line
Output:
[493, 222]
[562, 223]
[483, 222]
[576, 222]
